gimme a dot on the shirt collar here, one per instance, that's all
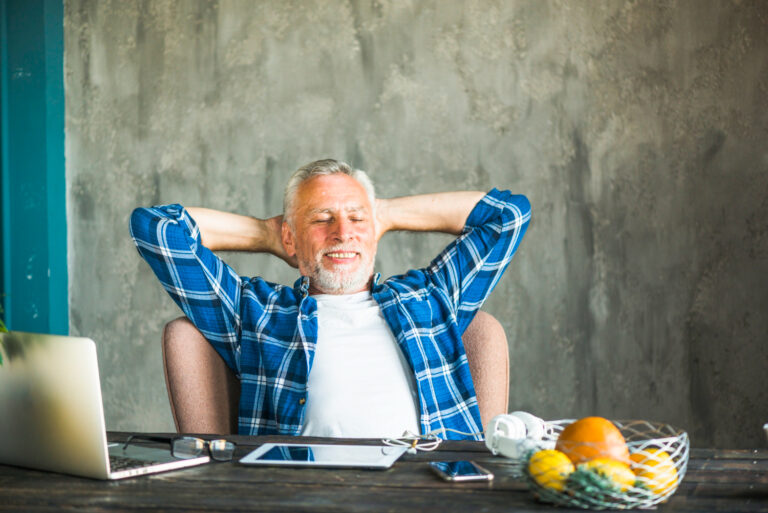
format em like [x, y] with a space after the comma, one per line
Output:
[301, 286]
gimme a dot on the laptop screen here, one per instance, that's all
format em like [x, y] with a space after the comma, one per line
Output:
[50, 396]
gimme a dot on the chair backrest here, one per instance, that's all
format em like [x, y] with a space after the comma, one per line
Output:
[204, 393]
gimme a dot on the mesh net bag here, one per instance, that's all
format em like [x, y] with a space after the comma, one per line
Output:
[658, 458]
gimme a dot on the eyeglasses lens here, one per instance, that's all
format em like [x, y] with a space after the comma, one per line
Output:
[188, 447]
[221, 450]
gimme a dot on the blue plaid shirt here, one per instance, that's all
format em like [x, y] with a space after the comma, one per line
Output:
[266, 332]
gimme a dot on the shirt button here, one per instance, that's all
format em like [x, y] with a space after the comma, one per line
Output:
[302, 401]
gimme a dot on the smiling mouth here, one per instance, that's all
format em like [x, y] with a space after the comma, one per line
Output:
[341, 255]
[340, 259]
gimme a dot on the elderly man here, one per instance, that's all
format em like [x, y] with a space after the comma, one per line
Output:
[340, 353]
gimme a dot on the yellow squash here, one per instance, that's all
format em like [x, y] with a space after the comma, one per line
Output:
[550, 469]
[617, 472]
[654, 469]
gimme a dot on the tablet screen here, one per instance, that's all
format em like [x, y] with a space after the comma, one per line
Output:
[322, 455]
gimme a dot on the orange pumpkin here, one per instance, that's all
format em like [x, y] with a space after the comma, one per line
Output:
[590, 438]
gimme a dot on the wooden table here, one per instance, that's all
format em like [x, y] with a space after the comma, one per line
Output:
[716, 480]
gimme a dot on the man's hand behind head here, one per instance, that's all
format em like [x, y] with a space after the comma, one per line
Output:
[380, 218]
[275, 227]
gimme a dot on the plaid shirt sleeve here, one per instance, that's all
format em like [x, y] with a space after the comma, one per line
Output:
[205, 288]
[470, 267]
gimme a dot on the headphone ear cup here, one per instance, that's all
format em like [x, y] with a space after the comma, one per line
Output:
[514, 434]
[508, 426]
[534, 426]
[504, 428]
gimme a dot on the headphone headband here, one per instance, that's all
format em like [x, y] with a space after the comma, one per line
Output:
[514, 434]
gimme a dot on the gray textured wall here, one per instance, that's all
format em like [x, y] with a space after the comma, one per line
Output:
[637, 129]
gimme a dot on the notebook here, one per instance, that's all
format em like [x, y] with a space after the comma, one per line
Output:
[52, 416]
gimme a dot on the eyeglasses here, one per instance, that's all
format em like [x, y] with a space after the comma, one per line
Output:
[188, 447]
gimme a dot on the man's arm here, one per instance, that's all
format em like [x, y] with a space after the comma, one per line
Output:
[491, 228]
[440, 212]
[223, 231]
[206, 289]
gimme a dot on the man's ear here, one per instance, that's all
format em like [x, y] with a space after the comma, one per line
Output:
[288, 240]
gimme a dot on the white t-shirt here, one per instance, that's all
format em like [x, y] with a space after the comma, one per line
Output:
[360, 385]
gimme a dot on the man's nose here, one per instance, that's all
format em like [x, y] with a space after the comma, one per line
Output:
[343, 229]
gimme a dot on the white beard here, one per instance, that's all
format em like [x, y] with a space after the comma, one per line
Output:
[340, 282]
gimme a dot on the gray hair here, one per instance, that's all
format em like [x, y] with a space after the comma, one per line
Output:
[320, 168]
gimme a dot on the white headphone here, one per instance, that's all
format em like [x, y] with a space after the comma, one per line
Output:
[514, 434]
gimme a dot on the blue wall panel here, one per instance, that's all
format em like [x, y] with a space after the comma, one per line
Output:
[34, 239]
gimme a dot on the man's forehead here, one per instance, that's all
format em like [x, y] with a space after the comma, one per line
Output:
[332, 193]
[334, 209]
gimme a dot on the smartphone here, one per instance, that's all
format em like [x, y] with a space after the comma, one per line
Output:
[460, 471]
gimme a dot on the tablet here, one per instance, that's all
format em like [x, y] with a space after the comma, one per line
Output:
[321, 455]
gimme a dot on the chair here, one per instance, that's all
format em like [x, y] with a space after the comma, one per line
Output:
[204, 393]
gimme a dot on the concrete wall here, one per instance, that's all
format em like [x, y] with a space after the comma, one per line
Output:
[637, 129]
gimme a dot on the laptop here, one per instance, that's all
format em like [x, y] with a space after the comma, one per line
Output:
[51, 415]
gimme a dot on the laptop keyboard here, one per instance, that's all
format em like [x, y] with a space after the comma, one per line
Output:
[117, 463]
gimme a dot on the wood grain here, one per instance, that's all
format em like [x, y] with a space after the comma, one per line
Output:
[732, 481]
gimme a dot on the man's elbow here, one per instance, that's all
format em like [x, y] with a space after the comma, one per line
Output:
[523, 205]
[138, 223]
[517, 208]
